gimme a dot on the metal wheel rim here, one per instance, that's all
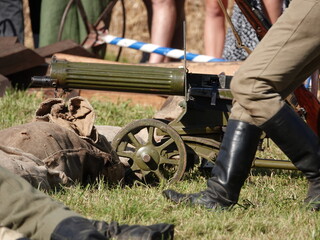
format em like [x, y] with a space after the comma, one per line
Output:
[128, 136]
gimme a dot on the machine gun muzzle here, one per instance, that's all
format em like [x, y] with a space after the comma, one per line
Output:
[113, 77]
[43, 81]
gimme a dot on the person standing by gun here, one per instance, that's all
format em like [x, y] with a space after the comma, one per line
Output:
[285, 57]
[307, 100]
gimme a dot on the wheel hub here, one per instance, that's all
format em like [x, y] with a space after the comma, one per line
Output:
[147, 158]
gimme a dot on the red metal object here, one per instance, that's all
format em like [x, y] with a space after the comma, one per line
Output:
[311, 105]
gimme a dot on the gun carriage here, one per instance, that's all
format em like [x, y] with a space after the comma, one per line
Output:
[168, 146]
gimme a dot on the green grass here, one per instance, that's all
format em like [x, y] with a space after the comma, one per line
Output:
[270, 206]
[273, 209]
[119, 114]
[18, 107]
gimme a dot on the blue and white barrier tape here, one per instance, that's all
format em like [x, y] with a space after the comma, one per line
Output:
[152, 48]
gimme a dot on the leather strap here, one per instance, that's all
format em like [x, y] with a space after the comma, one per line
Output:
[239, 41]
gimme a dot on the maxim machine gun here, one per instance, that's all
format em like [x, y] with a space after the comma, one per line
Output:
[168, 146]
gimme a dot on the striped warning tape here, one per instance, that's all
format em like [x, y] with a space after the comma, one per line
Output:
[152, 48]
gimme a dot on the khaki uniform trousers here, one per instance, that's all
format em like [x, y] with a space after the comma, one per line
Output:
[27, 210]
[286, 56]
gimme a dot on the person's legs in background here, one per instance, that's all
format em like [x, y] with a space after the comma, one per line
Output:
[163, 25]
[178, 38]
[273, 9]
[214, 28]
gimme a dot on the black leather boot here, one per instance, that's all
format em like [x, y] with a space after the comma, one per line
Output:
[231, 168]
[78, 228]
[161, 231]
[296, 139]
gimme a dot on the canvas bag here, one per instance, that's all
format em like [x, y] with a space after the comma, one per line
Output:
[66, 142]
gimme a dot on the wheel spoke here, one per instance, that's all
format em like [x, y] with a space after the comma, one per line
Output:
[170, 161]
[159, 174]
[126, 154]
[165, 144]
[135, 167]
[150, 134]
[134, 140]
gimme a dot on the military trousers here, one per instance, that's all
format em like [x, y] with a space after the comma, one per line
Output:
[27, 210]
[286, 56]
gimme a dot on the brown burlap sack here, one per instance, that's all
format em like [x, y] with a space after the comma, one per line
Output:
[61, 146]
[61, 151]
[77, 115]
[31, 168]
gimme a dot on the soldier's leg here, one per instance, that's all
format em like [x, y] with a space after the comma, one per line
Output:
[231, 168]
[276, 67]
[37, 216]
[288, 54]
[285, 57]
[27, 210]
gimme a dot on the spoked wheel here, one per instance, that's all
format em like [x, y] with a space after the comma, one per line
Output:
[154, 151]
